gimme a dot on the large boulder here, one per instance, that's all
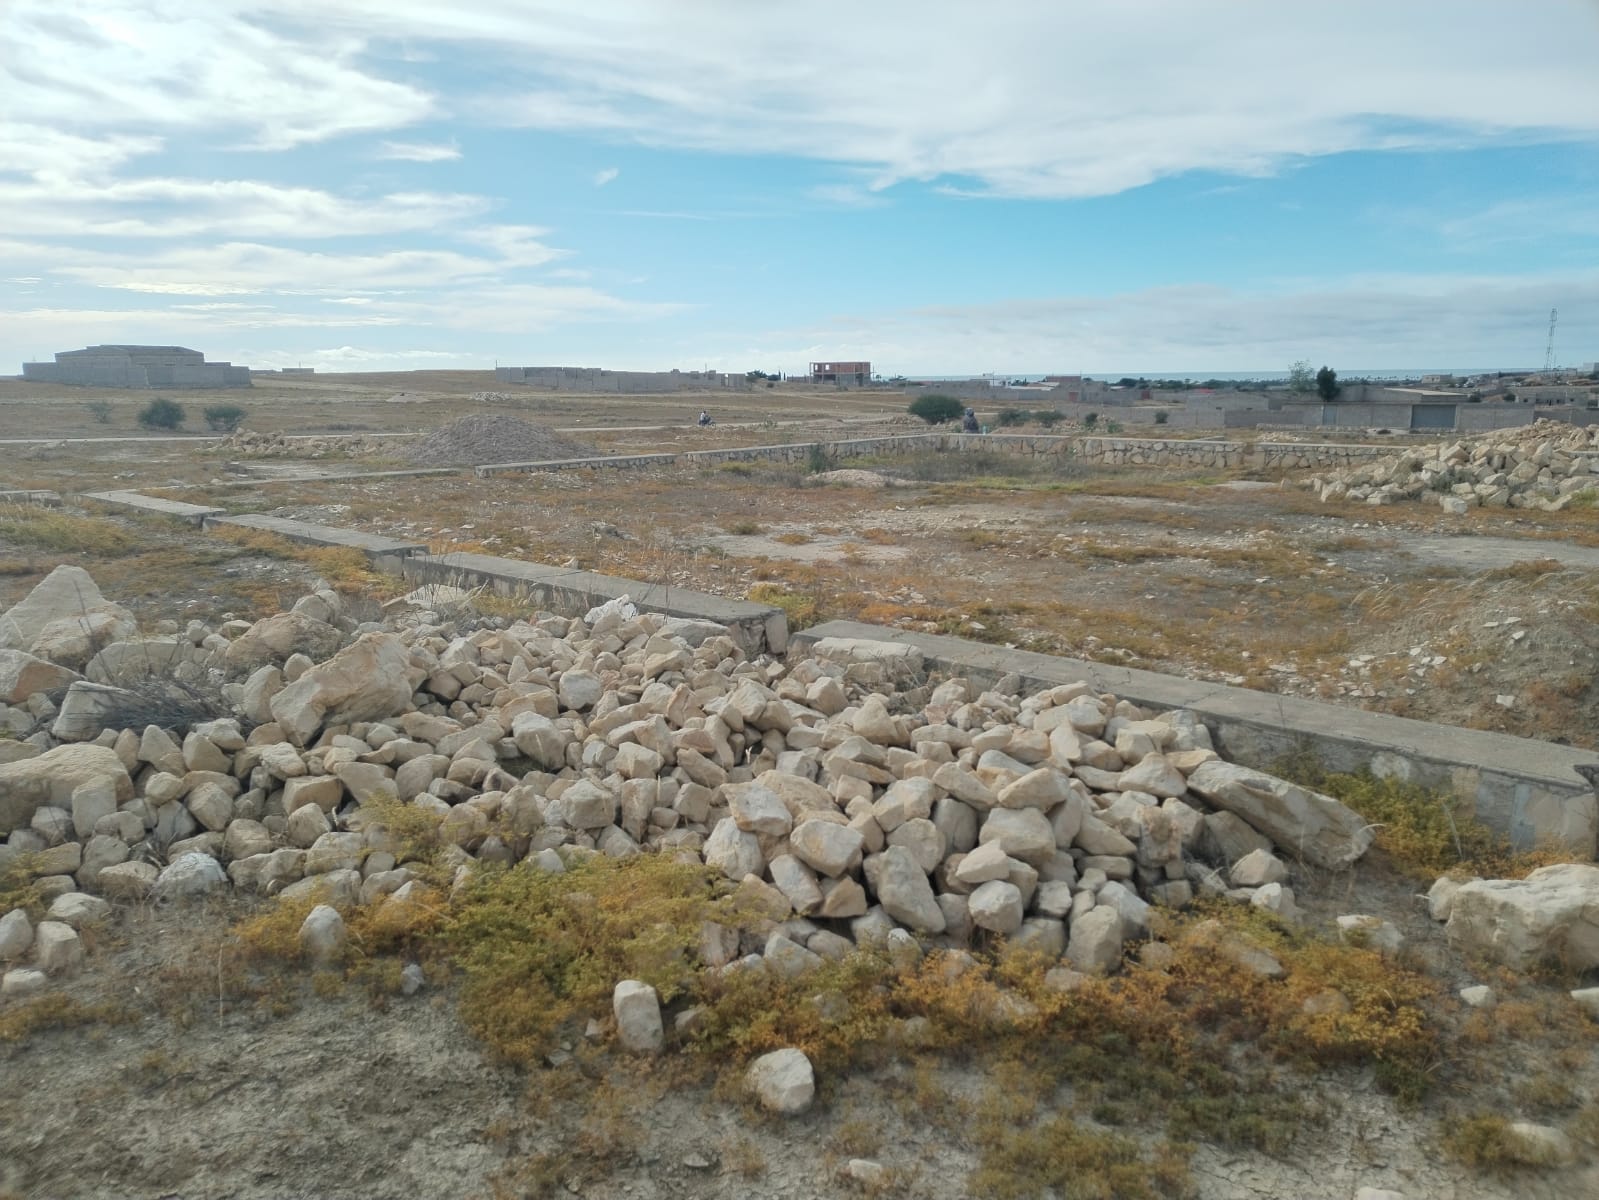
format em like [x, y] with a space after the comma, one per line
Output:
[366, 681]
[273, 639]
[21, 675]
[1550, 916]
[74, 639]
[50, 779]
[66, 591]
[1303, 823]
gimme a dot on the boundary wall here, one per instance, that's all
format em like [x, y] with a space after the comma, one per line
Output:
[1109, 451]
[1527, 790]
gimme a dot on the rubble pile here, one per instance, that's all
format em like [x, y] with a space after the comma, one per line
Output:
[490, 438]
[842, 793]
[1546, 466]
[252, 444]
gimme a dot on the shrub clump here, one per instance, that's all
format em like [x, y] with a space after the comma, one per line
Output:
[936, 408]
[162, 413]
[224, 418]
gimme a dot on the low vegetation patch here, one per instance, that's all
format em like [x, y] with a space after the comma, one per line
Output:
[1427, 831]
[58, 532]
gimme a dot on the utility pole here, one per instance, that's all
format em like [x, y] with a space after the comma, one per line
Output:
[1549, 350]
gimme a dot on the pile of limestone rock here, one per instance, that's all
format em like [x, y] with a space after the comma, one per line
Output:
[276, 444]
[1546, 466]
[848, 797]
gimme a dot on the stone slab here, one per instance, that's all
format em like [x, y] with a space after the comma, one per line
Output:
[194, 514]
[26, 496]
[385, 552]
[1525, 789]
[576, 464]
[759, 628]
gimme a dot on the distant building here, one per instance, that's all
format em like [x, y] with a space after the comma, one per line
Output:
[136, 367]
[597, 379]
[845, 374]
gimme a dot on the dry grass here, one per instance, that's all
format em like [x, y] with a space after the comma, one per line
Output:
[52, 531]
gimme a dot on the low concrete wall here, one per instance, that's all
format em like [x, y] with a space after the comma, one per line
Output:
[385, 553]
[760, 628]
[1527, 790]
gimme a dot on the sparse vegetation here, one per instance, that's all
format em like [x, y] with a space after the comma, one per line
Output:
[161, 413]
[100, 410]
[58, 532]
[936, 408]
[223, 418]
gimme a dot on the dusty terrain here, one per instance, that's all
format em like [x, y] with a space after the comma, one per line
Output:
[229, 1085]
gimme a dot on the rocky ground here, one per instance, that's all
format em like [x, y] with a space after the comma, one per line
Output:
[874, 844]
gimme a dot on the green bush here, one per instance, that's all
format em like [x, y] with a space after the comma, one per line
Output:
[1047, 417]
[1162, 417]
[816, 460]
[161, 413]
[1090, 420]
[100, 410]
[935, 408]
[224, 418]
[1012, 416]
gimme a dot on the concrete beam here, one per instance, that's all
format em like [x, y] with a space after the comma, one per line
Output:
[33, 496]
[194, 514]
[576, 464]
[1524, 789]
[386, 553]
[758, 627]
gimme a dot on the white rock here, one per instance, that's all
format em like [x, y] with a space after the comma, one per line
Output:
[16, 935]
[1258, 868]
[759, 810]
[21, 982]
[367, 681]
[1441, 896]
[1303, 823]
[50, 779]
[322, 934]
[1479, 995]
[997, 906]
[127, 880]
[904, 892]
[56, 948]
[1552, 915]
[1095, 944]
[983, 864]
[782, 1081]
[1588, 1000]
[638, 1017]
[826, 846]
[1021, 833]
[187, 876]
[733, 852]
[77, 910]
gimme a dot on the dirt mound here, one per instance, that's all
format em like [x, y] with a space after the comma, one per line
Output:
[494, 439]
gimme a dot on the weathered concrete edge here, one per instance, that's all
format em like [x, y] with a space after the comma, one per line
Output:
[385, 553]
[759, 628]
[1520, 787]
[194, 514]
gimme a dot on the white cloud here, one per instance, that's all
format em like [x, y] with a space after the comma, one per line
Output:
[601, 178]
[423, 152]
[1023, 97]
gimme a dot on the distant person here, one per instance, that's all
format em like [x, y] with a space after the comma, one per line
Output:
[705, 417]
[969, 422]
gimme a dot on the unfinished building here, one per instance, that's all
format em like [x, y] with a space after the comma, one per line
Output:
[136, 367]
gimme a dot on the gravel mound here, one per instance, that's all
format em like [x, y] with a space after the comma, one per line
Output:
[494, 439]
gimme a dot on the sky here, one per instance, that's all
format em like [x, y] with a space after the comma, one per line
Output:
[941, 187]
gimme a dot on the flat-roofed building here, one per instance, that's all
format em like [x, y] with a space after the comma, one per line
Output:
[136, 367]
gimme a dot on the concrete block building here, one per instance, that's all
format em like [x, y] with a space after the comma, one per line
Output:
[136, 367]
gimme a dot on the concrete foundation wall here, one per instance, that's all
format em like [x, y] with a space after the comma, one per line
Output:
[1524, 789]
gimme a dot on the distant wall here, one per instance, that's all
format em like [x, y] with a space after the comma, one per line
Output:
[596, 379]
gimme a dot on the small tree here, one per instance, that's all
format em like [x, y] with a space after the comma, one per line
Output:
[224, 418]
[1299, 377]
[1162, 417]
[161, 413]
[1327, 386]
[1047, 417]
[1011, 416]
[1090, 419]
[100, 410]
[935, 408]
